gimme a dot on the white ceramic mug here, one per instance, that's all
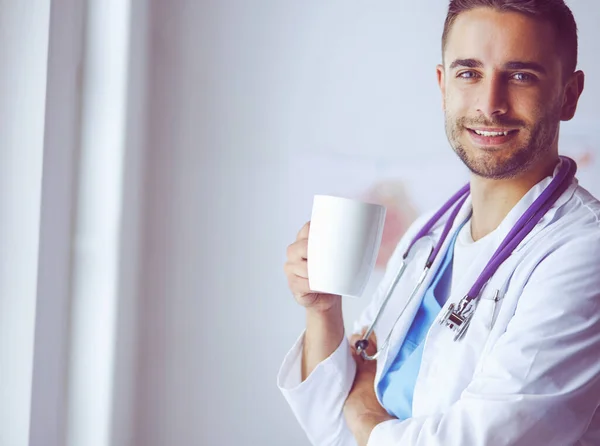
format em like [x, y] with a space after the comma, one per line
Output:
[343, 244]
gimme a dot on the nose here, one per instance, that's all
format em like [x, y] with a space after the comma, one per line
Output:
[493, 99]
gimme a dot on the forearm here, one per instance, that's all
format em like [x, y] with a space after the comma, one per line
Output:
[324, 333]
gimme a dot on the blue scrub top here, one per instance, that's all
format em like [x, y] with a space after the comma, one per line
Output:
[397, 385]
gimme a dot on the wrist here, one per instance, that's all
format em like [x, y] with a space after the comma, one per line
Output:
[330, 311]
[326, 325]
[324, 333]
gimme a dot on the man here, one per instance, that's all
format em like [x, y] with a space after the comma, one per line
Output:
[527, 371]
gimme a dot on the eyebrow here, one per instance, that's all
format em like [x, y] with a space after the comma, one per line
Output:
[468, 63]
[533, 66]
[514, 65]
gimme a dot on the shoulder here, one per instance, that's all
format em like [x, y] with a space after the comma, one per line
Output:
[568, 248]
[577, 220]
[586, 206]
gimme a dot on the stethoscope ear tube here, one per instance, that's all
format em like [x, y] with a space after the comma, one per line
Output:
[363, 343]
[459, 317]
[460, 197]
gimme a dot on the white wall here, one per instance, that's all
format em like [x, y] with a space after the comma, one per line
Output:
[22, 107]
[216, 169]
[587, 15]
[237, 91]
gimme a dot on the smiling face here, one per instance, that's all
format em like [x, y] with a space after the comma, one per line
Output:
[503, 92]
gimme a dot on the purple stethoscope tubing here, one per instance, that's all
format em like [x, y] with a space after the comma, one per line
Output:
[520, 230]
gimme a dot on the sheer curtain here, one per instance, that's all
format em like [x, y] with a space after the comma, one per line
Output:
[23, 51]
[71, 118]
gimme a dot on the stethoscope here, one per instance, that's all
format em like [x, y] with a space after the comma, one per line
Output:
[457, 317]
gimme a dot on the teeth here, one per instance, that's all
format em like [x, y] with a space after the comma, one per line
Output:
[482, 133]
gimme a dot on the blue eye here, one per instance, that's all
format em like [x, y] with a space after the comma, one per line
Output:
[523, 77]
[467, 75]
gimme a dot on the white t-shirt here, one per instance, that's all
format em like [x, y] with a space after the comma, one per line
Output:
[466, 251]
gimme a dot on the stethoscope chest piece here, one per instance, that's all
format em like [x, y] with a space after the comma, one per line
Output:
[458, 317]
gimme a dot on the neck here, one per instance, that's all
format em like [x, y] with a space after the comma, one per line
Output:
[494, 199]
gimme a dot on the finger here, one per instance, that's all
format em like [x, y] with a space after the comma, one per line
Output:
[355, 354]
[297, 251]
[296, 269]
[359, 335]
[372, 347]
[303, 233]
[353, 340]
[299, 286]
[373, 338]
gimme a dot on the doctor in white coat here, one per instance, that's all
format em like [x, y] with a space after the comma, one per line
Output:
[527, 371]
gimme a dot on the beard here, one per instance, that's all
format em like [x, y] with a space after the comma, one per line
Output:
[505, 164]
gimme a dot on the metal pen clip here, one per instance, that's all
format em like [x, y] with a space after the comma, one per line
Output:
[496, 300]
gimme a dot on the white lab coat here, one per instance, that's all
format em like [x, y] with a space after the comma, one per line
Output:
[527, 371]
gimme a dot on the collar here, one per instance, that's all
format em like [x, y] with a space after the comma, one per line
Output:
[517, 211]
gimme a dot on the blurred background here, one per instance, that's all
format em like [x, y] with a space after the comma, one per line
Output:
[157, 158]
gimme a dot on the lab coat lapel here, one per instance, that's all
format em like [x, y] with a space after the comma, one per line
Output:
[519, 209]
[437, 349]
[463, 282]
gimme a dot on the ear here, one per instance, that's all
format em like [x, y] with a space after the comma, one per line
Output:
[571, 95]
[441, 83]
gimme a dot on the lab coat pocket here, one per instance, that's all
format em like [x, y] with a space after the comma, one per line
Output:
[490, 301]
[484, 317]
[489, 306]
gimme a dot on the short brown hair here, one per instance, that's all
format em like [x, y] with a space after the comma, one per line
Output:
[554, 11]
